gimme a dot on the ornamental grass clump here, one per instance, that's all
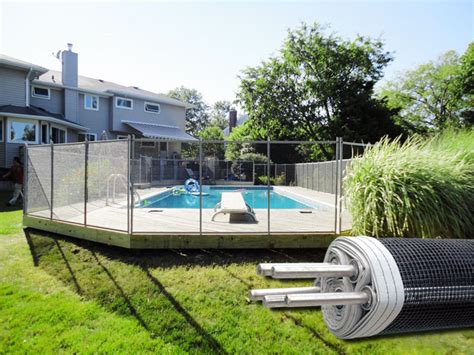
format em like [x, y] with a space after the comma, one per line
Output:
[421, 188]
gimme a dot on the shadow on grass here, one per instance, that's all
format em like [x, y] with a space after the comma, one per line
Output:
[125, 281]
[5, 196]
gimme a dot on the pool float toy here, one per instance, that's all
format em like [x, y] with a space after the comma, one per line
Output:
[178, 190]
[191, 185]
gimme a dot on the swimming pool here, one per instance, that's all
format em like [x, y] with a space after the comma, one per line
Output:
[256, 197]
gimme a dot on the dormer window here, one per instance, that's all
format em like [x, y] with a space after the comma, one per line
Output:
[91, 102]
[152, 107]
[41, 92]
[121, 102]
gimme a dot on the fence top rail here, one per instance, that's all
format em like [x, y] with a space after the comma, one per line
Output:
[33, 146]
[358, 144]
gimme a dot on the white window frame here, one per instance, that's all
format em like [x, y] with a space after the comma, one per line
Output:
[36, 123]
[88, 134]
[57, 127]
[148, 146]
[48, 133]
[2, 136]
[33, 87]
[152, 103]
[122, 107]
[91, 108]
[122, 136]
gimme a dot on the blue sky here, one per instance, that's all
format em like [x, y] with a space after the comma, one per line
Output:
[205, 45]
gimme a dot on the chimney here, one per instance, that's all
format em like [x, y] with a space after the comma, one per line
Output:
[232, 119]
[70, 80]
[69, 66]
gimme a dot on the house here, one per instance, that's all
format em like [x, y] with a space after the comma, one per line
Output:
[42, 106]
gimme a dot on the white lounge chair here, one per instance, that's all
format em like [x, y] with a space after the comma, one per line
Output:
[233, 203]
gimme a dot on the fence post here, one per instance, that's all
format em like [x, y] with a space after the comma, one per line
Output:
[25, 181]
[341, 158]
[200, 186]
[52, 181]
[129, 159]
[86, 167]
[268, 184]
[336, 193]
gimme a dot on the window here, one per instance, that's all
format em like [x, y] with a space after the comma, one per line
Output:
[44, 133]
[91, 102]
[151, 107]
[122, 102]
[22, 131]
[90, 137]
[58, 135]
[148, 144]
[163, 146]
[40, 92]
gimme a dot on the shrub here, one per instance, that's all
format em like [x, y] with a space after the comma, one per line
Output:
[421, 188]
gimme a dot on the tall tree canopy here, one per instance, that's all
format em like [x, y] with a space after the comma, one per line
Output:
[215, 150]
[197, 117]
[435, 95]
[219, 114]
[319, 86]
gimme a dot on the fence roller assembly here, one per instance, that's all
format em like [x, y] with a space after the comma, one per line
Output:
[258, 295]
[367, 286]
[265, 269]
[321, 299]
[312, 271]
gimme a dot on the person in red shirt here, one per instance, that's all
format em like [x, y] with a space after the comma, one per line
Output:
[16, 174]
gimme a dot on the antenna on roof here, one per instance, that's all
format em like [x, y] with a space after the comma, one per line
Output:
[57, 55]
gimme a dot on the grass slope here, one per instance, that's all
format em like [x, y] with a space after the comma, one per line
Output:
[63, 295]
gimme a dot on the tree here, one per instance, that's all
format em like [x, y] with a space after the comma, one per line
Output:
[197, 116]
[433, 95]
[466, 81]
[319, 86]
[234, 149]
[219, 114]
[212, 149]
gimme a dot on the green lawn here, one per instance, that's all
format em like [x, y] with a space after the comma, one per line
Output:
[57, 294]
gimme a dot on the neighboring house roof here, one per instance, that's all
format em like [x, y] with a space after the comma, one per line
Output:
[53, 77]
[240, 121]
[38, 113]
[11, 62]
[153, 130]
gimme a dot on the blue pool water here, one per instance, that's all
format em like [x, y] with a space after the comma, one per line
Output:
[256, 197]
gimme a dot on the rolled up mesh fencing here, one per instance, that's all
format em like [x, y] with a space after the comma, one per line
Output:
[369, 287]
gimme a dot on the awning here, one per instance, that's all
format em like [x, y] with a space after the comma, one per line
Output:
[151, 130]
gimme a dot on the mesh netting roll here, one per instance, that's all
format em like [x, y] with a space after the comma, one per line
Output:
[368, 286]
[412, 284]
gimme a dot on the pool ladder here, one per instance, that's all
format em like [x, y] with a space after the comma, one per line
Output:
[122, 179]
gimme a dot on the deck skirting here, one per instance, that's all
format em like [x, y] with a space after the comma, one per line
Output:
[181, 241]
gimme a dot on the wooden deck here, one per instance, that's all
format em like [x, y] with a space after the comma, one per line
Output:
[158, 228]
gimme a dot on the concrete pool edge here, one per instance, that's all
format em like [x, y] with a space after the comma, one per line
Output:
[180, 240]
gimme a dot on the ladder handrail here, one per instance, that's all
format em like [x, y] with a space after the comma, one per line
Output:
[123, 179]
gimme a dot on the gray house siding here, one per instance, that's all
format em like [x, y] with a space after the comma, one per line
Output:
[169, 115]
[12, 88]
[96, 121]
[55, 103]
